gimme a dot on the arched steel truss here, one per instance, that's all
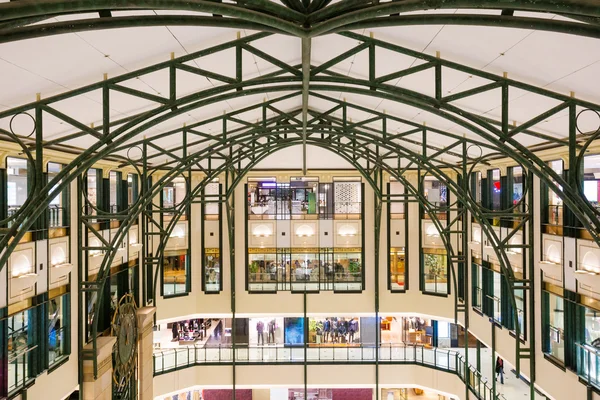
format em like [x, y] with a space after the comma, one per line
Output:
[302, 18]
[358, 140]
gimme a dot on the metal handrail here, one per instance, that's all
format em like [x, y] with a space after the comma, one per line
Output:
[442, 359]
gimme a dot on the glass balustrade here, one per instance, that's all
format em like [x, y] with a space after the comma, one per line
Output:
[168, 360]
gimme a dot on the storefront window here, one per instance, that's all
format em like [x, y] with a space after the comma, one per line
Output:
[175, 272]
[554, 213]
[591, 179]
[435, 272]
[495, 190]
[211, 237]
[132, 189]
[436, 193]
[555, 329]
[265, 199]
[517, 184]
[58, 329]
[173, 194]
[592, 327]
[22, 349]
[17, 185]
[304, 271]
[398, 268]
[476, 187]
[113, 184]
[334, 330]
[212, 270]
[347, 270]
[57, 214]
[347, 197]
[92, 182]
[477, 279]
[262, 272]
[497, 297]
[520, 302]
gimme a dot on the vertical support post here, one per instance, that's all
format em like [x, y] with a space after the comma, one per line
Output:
[493, 324]
[378, 179]
[238, 64]
[531, 277]
[306, 49]
[372, 61]
[438, 78]
[466, 257]
[230, 205]
[105, 107]
[172, 80]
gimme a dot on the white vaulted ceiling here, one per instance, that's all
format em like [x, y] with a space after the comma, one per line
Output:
[56, 64]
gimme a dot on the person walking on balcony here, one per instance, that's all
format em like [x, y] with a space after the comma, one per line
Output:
[500, 369]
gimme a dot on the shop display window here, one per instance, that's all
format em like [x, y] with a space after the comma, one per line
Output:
[494, 189]
[418, 330]
[436, 194]
[398, 268]
[212, 270]
[476, 187]
[266, 331]
[175, 274]
[347, 269]
[477, 282]
[347, 198]
[434, 278]
[262, 271]
[517, 184]
[132, 189]
[22, 348]
[173, 194]
[553, 213]
[114, 184]
[57, 215]
[554, 329]
[520, 302]
[592, 327]
[334, 331]
[58, 329]
[93, 178]
[497, 297]
[17, 184]
[293, 332]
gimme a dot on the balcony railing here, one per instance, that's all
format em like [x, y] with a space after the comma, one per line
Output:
[169, 360]
[302, 279]
[588, 364]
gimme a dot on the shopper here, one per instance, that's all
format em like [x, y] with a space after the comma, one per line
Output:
[500, 369]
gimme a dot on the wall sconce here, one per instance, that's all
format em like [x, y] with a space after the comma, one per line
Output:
[590, 265]
[95, 253]
[21, 267]
[304, 231]
[178, 233]
[432, 232]
[133, 240]
[347, 230]
[262, 231]
[59, 258]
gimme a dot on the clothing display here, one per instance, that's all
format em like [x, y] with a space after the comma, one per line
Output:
[260, 326]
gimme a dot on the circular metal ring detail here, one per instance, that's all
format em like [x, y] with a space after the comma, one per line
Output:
[579, 114]
[10, 124]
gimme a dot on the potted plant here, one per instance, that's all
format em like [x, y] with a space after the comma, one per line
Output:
[253, 269]
[354, 268]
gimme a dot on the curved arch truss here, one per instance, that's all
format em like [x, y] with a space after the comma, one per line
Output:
[302, 104]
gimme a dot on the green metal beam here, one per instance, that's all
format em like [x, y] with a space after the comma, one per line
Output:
[306, 50]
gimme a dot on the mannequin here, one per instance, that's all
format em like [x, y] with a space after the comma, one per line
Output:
[271, 330]
[260, 326]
